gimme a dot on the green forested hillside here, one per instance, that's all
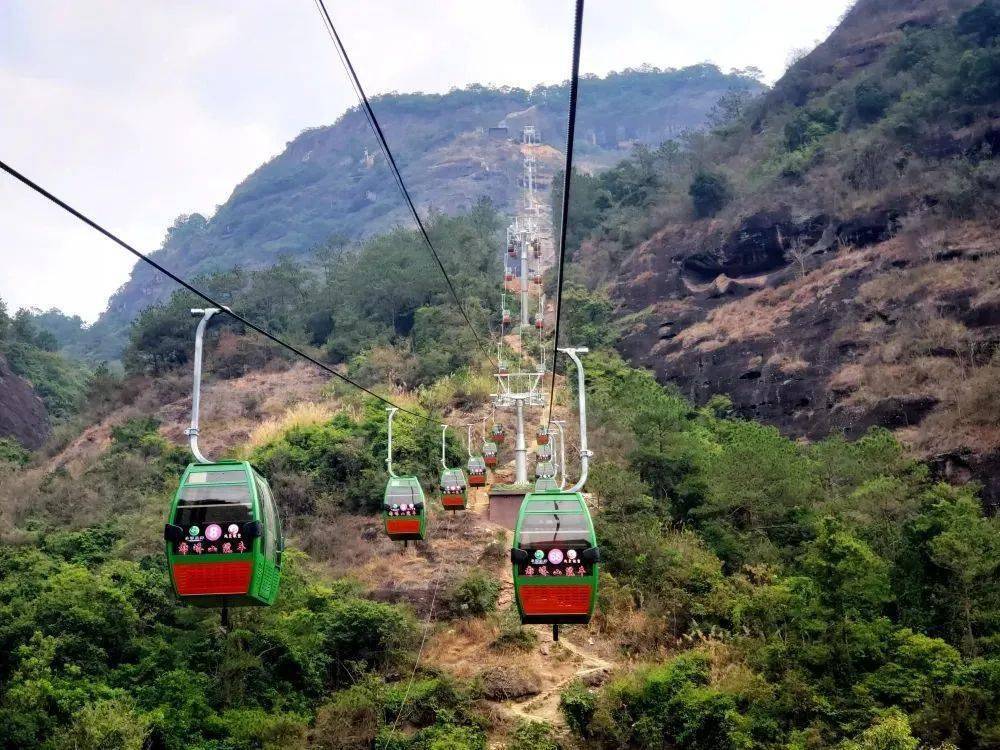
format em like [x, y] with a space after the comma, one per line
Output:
[771, 595]
[384, 310]
[39, 387]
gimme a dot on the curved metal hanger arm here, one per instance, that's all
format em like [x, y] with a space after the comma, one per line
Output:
[388, 459]
[199, 339]
[585, 454]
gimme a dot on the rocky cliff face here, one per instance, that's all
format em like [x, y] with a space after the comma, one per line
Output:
[22, 413]
[824, 307]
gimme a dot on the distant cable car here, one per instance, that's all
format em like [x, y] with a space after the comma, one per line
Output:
[536, 247]
[555, 560]
[477, 471]
[505, 317]
[502, 368]
[223, 537]
[223, 533]
[509, 276]
[490, 451]
[498, 433]
[454, 494]
[544, 452]
[536, 277]
[404, 508]
[454, 487]
[542, 435]
[511, 249]
[555, 557]
[544, 470]
[539, 322]
[476, 466]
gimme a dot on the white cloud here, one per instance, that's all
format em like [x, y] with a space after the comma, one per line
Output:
[137, 112]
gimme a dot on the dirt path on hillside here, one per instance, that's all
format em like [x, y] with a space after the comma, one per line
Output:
[462, 648]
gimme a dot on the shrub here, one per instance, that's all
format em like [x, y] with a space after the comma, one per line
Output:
[513, 637]
[981, 22]
[129, 435]
[474, 596]
[808, 126]
[710, 192]
[577, 704]
[351, 720]
[978, 78]
[12, 452]
[870, 101]
[449, 737]
[533, 735]
[869, 167]
[371, 633]
[106, 724]
[889, 732]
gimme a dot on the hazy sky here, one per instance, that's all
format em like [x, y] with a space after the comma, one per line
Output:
[136, 111]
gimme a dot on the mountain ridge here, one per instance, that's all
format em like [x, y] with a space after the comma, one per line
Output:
[330, 186]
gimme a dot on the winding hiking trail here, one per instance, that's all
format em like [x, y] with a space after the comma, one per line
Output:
[537, 677]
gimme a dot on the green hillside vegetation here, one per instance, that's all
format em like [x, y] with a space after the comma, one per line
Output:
[820, 595]
[781, 595]
[30, 350]
[384, 310]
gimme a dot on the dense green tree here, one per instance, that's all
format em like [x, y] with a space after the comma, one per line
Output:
[710, 192]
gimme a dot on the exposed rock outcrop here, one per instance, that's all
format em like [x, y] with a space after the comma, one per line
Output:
[22, 413]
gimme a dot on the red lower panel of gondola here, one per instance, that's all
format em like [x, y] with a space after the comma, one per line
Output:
[453, 501]
[402, 526]
[477, 481]
[491, 462]
[214, 578]
[555, 600]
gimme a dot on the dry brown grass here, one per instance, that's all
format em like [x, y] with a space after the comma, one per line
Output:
[789, 364]
[303, 414]
[761, 313]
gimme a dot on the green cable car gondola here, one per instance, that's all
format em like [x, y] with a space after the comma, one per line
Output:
[544, 470]
[498, 434]
[555, 559]
[544, 452]
[477, 471]
[404, 510]
[490, 453]
[223, 537]
[542, 436]
[543, 484]
[454, 486]
[454, 489]
[223, 533]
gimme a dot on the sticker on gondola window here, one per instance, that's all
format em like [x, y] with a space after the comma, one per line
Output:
[556, 563]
